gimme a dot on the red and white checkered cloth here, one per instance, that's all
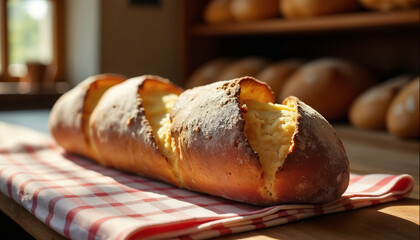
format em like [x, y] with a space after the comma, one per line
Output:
[83, 200]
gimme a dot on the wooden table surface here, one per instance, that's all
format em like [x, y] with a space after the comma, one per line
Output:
[395, 220]
[368, 153]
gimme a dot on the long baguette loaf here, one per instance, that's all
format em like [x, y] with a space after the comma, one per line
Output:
[225, 139]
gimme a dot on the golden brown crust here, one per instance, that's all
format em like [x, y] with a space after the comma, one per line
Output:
[316, 170]
[403, 114]
[68, 117]
[369, 109]
[212, 143]
[215, 156]
[276, 74]
[252, 10]
[122, 134]
[312, 8]
[388, 5]
[217, 12]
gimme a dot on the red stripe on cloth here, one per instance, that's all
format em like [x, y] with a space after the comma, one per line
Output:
[10, 178]
[216, 226]
[402, 185]
[9, 184]
[291, 218]
[355, 179]
[380, 184]
[95, 227]
[348, 206]
[257, 220]
[282, 213]
[319, 210]
[225, 231]
[70, 216]
[147, 232]
[260, 225]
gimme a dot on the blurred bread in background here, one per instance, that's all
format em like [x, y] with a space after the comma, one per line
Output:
[329, 85]
[207, 73]
[312, 8]
[402, 119]
[247, 66]
[388, 5]
[252, 10]
[218, 12]
[369, 110]
[276, 74]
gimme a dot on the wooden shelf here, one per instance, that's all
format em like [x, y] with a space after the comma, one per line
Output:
[357, 20]
[19, 95]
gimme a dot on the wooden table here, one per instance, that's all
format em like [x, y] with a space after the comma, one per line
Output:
[395, 220]
[369, 152]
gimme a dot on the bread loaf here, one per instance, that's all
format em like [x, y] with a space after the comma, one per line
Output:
[276, 74]
[252, 10]
[329, 85]
[369, 109]
[208, 72]
[69, 118]
[388, 5]
[402, 118]
[313, 8]
[247, 66]
[227, 139]
[218, 12]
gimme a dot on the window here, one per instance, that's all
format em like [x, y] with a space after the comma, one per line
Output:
[31, 39]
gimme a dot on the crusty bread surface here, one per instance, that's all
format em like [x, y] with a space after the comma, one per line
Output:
[69, 118]
[227, 139]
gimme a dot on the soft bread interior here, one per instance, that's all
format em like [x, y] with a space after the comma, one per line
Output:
[269, 129]
[157, 103]
[94, 94]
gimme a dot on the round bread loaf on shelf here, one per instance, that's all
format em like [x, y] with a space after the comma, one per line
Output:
[402, 119]
[207, 73]
[388, 5]
[313, 8]
[218, 12]
[276, 74]
[252, 10]
[369, 109]
[247, 66]
[329, 85]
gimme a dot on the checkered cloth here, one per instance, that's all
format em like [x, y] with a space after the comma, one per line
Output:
[83, 200]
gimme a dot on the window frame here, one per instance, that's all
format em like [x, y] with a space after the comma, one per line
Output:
[55, 70]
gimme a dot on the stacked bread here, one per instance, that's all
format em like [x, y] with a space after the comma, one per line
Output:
[329, 85]
[227, 11]
[227, 138]
[393, 104]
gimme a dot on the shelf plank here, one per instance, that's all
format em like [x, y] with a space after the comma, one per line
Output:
[357, 20]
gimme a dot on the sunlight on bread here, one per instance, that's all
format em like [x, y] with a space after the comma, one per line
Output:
[269, 129]
[157, 105]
